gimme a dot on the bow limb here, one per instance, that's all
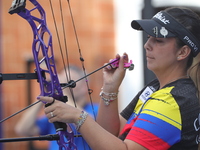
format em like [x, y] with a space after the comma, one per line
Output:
[42, 52]
[42, 49]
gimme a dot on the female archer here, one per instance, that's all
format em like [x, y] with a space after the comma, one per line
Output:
[164, 114]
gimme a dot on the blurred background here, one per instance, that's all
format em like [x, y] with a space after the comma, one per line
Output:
[103, 29]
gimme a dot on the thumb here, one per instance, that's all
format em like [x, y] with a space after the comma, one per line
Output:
[45, 99]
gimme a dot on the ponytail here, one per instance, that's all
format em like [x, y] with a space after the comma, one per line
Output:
[194, 73]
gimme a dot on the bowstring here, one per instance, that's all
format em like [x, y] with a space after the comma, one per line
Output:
[81, 59]
[65, 64]
[66, 53]
[82, 63]
[68, 75]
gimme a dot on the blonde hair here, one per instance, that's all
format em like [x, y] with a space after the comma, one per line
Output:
[194, 73]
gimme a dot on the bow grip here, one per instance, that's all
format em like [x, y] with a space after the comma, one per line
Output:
[59, 126]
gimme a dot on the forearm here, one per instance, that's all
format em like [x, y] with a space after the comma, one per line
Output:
[108, 117]
[26, 125]
[98, 138]
[94, 134]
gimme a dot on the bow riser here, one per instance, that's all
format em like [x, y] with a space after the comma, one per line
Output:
[45, 67]
[45, 64]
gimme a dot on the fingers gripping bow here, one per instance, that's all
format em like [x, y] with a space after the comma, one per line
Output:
[45, 64]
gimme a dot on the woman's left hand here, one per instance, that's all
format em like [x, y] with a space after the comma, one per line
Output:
[59, 111]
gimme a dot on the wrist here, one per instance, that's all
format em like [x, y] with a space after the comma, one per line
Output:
[109, 89]
[81, 119]
[108, 97]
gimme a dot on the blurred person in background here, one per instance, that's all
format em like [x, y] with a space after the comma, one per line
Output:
[31, 124]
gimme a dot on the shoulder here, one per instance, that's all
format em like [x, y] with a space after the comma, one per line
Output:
[184, 89]
[181, 94]
[184, 86]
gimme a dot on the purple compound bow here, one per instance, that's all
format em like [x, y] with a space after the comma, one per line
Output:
[45, 65]
[46, 71]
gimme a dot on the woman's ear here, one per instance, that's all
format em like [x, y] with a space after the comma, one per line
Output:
[183, 52]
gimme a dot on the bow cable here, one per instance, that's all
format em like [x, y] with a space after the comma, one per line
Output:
[81, 59]
[68, 76]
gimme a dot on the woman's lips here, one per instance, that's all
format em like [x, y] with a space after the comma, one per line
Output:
[149, 57]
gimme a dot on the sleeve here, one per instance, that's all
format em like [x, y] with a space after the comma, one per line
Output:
[127, 112]
[158, 126]
[43, 125]
[92, 109]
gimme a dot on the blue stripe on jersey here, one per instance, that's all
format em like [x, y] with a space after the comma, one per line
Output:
[162, 129]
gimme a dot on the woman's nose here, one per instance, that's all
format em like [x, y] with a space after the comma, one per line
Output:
[147, 45]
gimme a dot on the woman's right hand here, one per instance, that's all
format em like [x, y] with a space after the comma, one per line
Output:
[113, 76]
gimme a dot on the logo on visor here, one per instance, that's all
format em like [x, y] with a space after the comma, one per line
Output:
[163, 32]
[162, 18]
[189, 41]
[155, 31]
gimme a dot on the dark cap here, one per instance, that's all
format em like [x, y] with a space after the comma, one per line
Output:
[163, 25]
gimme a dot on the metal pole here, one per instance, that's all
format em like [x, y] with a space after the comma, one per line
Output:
[1, 134]
[147, 13]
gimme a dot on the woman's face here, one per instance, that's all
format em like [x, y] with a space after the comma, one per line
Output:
[161, 53]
